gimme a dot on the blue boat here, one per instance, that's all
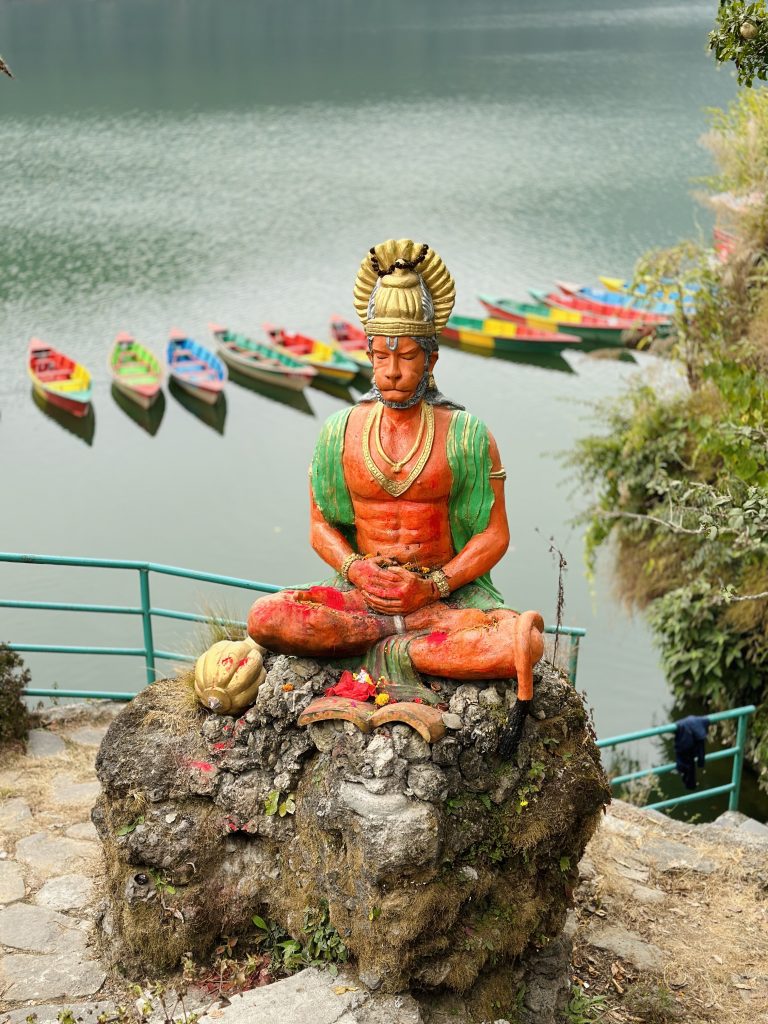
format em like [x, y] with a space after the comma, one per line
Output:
[195, 368]
[624, 300]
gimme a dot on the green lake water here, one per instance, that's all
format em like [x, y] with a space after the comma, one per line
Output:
[167, 164]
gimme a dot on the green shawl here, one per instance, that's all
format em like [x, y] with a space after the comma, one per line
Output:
[470, 501]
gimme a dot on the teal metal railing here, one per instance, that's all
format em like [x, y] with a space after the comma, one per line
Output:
[145, 610]
[148, 612]
[733, 788]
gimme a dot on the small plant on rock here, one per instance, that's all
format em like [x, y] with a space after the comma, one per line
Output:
[324, 945]
[583, 1009]
[14, 717]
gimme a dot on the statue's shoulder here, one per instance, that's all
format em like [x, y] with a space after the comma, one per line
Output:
[334, 426]
[337, 419]
[463, 422]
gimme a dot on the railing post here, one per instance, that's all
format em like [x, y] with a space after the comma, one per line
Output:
[573, 660]
[738, 763]
[149, 646]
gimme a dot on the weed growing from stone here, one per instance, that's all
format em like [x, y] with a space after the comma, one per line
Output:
[154, 1000]
[583, 1009]
[274, 805]
[322, 945]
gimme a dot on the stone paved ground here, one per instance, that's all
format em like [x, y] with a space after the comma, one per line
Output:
[49, 870]
[672, 919]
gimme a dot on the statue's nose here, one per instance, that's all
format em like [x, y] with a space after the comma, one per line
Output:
[393, 371]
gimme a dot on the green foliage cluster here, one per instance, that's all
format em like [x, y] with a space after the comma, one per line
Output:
[583, 1008]
[740, 36]
[14, 678]
[679, 477]
[274, 805]
[322, 946]
[682, 492]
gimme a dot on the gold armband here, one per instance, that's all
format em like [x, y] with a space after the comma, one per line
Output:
[498, 474]
[346, 564]
[440, 580]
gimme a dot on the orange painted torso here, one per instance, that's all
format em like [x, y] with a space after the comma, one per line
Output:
[413, 527]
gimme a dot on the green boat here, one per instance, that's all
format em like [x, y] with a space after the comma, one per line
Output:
[505, 336]
[591, 329]
[261, 361]
[135, 371]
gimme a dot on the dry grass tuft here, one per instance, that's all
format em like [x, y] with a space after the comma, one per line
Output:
[33, 779]
[172, 705]
[226, 624]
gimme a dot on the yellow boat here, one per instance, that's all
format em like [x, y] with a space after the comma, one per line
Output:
[58, 379]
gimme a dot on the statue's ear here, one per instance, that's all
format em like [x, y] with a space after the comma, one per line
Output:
[432, 360]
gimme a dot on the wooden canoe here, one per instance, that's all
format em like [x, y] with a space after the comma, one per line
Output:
[195, 369]
[261, 361]
[324, 357]
[499, 335]
[725, 243]
[622, 285]
[612, 304]
[135, 371]
[58, 379]
[663, 298]
[353, 342]
[592, 330]
[561, 301]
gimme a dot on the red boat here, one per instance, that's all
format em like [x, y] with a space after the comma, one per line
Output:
[570, 297]
[345, 331]
[58, 379]
[324, 356]
[725, 243]
[353, 341]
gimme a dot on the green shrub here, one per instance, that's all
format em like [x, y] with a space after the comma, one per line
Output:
[678, 478]
[14, 718]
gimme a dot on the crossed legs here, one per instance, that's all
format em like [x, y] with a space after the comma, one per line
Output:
[461, 643]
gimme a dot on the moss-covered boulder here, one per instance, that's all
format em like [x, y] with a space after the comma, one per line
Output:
[443, 868]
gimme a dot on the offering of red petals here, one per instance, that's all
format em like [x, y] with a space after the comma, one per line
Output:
[360, 686]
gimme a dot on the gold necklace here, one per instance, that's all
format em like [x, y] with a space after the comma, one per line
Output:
[392, 486]
[397, 466]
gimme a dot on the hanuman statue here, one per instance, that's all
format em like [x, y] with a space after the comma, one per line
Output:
[407, 507]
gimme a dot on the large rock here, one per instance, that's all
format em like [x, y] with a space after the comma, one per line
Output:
[444, 869]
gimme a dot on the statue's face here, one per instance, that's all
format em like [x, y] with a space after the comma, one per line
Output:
[398, 370]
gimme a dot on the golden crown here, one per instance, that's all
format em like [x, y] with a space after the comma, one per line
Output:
[390, 290]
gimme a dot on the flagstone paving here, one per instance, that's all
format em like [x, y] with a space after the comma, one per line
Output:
[50, 862]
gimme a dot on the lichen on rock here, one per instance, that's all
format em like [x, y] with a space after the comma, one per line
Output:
[443, 868]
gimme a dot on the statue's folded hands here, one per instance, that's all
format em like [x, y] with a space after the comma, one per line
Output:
[393, 589]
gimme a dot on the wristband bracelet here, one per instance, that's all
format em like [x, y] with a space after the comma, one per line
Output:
[346, 564]
[440, 580]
